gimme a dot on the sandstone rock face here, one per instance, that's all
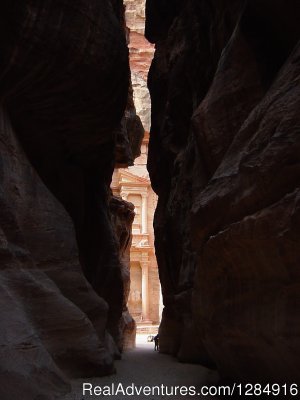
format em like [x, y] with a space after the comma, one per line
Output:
[51, 317]
[224, 160]
[64, 78]
[141, 54]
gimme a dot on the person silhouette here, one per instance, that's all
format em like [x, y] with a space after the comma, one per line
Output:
[156, 342]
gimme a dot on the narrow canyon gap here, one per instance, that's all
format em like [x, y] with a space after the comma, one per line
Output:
[224, 155]
[132, 183]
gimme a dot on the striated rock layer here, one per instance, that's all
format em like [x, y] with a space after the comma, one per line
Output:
[225, 161]
[64, 79]
[51, 317]
[141, 54]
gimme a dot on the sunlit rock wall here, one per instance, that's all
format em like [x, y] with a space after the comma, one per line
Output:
[141, 54]
[224, 159]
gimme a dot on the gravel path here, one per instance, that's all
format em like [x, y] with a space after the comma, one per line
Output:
[144, 366]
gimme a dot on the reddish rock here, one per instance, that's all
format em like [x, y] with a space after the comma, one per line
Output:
[141, 54]
[253, 246]
[140, 57]
[224, 160]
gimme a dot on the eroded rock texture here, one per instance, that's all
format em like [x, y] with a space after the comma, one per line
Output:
[64, 78]
[141, 54]
[123, 215]
[224, 159]
[51, 317]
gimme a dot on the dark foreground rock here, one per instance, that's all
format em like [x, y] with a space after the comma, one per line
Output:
[122, 217]
[225, 161]
[64, 83]
[51, 317]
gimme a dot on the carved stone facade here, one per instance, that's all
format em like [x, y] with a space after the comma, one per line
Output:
[133, 185]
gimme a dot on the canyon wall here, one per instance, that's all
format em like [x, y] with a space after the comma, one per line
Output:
[224, 159]
[122, 217]
[64, 79]
[141, 54]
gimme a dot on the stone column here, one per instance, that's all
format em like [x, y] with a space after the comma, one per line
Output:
[124, 196]
[161, 306]
[144, 214]
[145, 292]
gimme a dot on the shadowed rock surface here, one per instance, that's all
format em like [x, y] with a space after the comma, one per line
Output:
[123, 215]
[64, 79]
[51, 317]
[224, 159]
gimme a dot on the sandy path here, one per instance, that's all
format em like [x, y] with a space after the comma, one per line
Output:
[144, 366]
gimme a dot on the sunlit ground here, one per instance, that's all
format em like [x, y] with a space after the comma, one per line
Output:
[143, 366]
